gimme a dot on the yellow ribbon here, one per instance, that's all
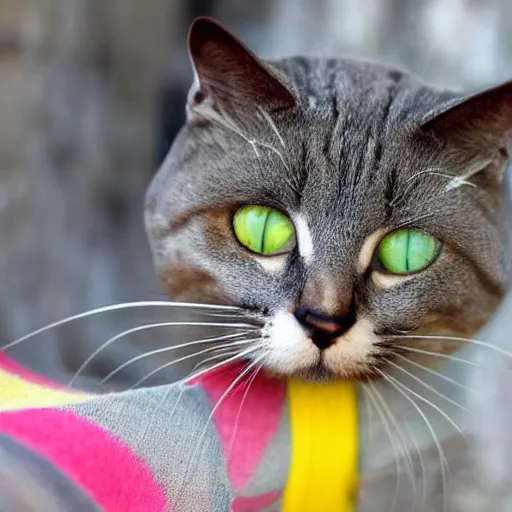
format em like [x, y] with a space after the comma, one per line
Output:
[323, 473]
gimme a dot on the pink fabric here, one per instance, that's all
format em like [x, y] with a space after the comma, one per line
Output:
[93, 458]
[244, 432]
[255, 503]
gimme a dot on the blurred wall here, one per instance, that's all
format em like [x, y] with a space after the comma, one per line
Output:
[92, 93]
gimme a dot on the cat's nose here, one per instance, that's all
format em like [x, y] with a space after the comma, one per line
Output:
[322, 329]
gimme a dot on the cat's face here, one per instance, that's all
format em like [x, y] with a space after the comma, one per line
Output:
[389, 207]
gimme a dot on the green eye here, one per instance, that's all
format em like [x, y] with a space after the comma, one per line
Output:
[407, 250]
[264, 230]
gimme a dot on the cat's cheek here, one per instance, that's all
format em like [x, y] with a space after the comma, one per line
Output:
[349, 356]
[288, 349]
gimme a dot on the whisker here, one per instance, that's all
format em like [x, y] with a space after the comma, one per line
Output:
[407, 455]
[422, 463]
[450, 358]
[273, 126]
[117, 307]
[428, 386]
[370, 391]
[414, 220]
[369, 415]
[219, 355]
[434, 372]
[431, 404]
[153, 326]
[459, 339]
[234, 314]
[229, 389]
[169, 349]
[157, 408]
[274, 150]
[175, 406]
[228, 122]
[432, 172]
[293, 186]
[455, 181]
[182, 391]
[196, 375]
[442, 458]
[167, 365]
[251, 380]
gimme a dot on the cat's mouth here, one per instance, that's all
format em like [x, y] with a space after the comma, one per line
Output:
[287, 350]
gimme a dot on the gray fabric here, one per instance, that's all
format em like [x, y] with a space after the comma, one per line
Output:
[30, 483]
[191, 467]
[272, 471]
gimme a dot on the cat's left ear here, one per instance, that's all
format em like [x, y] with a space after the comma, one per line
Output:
[480, 124]
[228, 75]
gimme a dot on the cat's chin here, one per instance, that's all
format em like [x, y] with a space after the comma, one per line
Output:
[320, 373]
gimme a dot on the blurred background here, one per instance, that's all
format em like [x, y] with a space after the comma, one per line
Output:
[92, 93]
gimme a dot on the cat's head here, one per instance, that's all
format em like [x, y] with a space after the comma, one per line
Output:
[341, 203]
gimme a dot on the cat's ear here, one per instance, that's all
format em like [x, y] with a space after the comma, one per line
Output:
[480, 122]
[229, 75]
[479, 128]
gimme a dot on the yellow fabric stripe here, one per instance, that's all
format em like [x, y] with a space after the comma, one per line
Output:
[323, 474]
[17, 393]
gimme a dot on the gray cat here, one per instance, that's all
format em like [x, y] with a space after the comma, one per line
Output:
[389, 193]
[359, 218]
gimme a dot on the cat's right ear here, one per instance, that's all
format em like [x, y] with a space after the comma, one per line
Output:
[479, 126]
[228, 76]
[479, 122]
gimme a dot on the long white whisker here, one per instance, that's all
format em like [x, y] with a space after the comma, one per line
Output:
[369, 414]
[256, 369]
[429, 403]
[371, 393]
[422, 463]
[175, 406]
[433, 172]
[427, 386]
[414, 220]
[153, 326]
[169, 349]
[442, 458]
[405, 451]
[162, 367]
[221, 353]
[459, 339]
[450, 358]
[273, 126]
[234, 314]
[117, 307]
[229, 389]
[402, 439]
[167, 365]
[293, 186]
[216, 366]
[434, 372]
[274, 150]
[157, 408]
[454, 182]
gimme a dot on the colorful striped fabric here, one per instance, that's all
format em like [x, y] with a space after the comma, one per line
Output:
[192, 446]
